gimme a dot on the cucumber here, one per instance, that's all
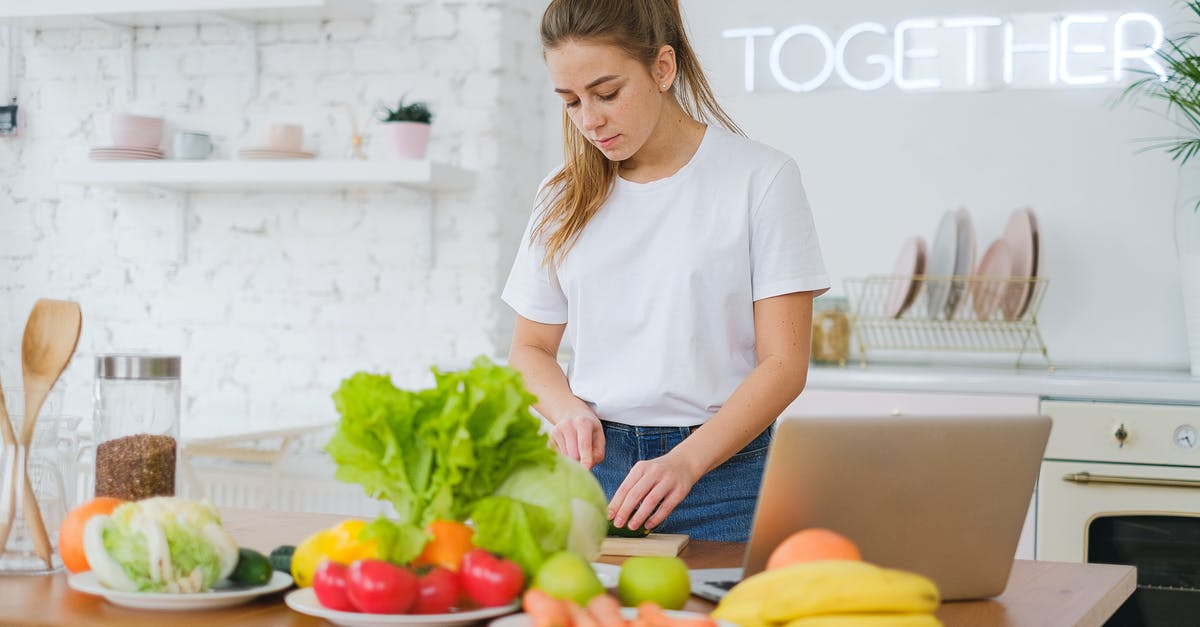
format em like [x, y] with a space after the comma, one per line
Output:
[281, 558]
[624, 532]
[253, 568]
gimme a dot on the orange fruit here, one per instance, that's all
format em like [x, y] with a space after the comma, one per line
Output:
[813, 544]
[70, 533]
[451, 540]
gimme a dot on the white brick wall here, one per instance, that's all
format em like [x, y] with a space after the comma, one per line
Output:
[273, 298]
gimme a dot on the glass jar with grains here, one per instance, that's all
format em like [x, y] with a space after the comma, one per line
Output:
[831, 330]
[136, 425]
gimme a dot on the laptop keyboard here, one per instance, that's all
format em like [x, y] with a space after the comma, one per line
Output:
[724, 585]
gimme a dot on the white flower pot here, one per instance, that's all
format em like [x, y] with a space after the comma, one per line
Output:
[410, 139]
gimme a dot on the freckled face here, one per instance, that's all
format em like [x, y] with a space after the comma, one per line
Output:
[610, 97]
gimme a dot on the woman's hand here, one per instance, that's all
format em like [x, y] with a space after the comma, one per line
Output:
[580, 438]
[651, 491]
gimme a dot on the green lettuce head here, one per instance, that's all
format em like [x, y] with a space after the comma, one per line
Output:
[162, 544]
[538, 511]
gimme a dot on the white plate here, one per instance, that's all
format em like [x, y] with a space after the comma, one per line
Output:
[216, 598]
[1021, 235]
[964, 263]
[305, 601]
[943, 258]
[629, 613]
[904, 288]
[607, 574]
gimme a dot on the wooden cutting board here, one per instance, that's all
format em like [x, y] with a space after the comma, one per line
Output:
[653, 544]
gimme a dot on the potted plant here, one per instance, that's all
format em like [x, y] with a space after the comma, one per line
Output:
[409, 127]
[1179, 90]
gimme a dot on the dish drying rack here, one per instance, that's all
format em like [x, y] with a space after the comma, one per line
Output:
[968, 314]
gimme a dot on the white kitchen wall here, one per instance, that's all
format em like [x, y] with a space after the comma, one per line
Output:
[882, 165]
[273, 298]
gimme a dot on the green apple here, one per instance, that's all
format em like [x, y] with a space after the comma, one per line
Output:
[663, 580]
[566, 575]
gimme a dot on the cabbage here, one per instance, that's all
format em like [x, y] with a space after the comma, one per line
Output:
[161, 544]
[538, 511]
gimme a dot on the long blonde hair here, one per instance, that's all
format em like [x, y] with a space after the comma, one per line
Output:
[639, 28]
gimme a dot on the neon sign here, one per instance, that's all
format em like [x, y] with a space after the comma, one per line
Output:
[1036, 50]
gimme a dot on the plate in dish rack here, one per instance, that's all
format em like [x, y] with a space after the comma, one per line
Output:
[305, 601]
[216, 598]
[628, 613]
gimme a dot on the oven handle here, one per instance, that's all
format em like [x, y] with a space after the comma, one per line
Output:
[1087, 477]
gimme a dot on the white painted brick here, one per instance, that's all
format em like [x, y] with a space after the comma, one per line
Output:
[346, 30]
[173, 35]
[447, 57]
[214, 60]
[436, 22]
[211, 33]
[45, 63]
[57, 38]
[480, 87]
[384, 57]
[300, 32]
[283, 59]
[276, 297]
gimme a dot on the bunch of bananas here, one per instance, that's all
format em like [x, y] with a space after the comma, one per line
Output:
[832, 593]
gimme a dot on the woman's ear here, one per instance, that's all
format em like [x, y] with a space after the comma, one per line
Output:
[665, 69]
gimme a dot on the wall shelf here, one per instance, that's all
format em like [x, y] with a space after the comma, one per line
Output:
[153, 12]
[221, 176]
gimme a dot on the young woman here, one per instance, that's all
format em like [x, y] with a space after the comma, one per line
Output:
[681, 261]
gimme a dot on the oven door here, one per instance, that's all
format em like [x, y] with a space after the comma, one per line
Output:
[1145, 516]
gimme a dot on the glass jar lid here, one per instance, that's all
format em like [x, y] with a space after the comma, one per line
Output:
[137, 366]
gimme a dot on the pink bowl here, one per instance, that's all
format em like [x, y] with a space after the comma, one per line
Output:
[136, 130]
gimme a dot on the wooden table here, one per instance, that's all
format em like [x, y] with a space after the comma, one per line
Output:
[1039, 593]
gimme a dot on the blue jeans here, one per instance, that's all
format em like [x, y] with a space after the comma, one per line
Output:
[720, 506]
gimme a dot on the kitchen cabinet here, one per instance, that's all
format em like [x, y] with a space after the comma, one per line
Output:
[309, 174]
[840, 402]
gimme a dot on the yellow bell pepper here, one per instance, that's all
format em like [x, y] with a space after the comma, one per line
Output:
[308, 555]
[339, 543]
[345, 547]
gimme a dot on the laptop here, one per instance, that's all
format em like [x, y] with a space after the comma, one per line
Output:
[942, 496]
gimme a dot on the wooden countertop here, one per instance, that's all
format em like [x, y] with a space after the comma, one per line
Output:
[1038, 593]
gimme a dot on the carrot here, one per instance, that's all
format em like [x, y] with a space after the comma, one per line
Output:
[607, 611]
[652, 615]
[580, 615]
[545, 610]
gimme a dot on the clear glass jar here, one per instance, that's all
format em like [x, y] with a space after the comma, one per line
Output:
[831, 330]
[136, 425]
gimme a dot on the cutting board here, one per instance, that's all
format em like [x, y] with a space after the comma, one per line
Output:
[653, 544]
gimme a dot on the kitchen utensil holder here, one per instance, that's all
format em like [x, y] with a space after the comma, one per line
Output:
[875, 326]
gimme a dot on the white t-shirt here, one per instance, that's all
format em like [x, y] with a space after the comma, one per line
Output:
[658, 291]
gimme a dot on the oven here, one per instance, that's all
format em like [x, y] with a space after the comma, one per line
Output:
[1120, 484]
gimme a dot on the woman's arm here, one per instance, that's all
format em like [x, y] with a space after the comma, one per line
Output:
[577, 431]
[783, 335]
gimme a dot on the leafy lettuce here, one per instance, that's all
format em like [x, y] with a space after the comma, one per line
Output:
[539, 511]
[434, 453]
[161, 544]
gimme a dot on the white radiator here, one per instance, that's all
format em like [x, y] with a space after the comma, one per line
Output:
[279, 470]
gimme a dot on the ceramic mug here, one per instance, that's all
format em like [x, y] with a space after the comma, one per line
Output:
[193, 145]
[287, 137]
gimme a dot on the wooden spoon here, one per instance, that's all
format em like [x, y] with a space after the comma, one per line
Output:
[51, 335]
[8, 497]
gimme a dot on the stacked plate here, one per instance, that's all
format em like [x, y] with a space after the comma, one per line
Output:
[120, 153]
[951, 260]
[267, 153]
